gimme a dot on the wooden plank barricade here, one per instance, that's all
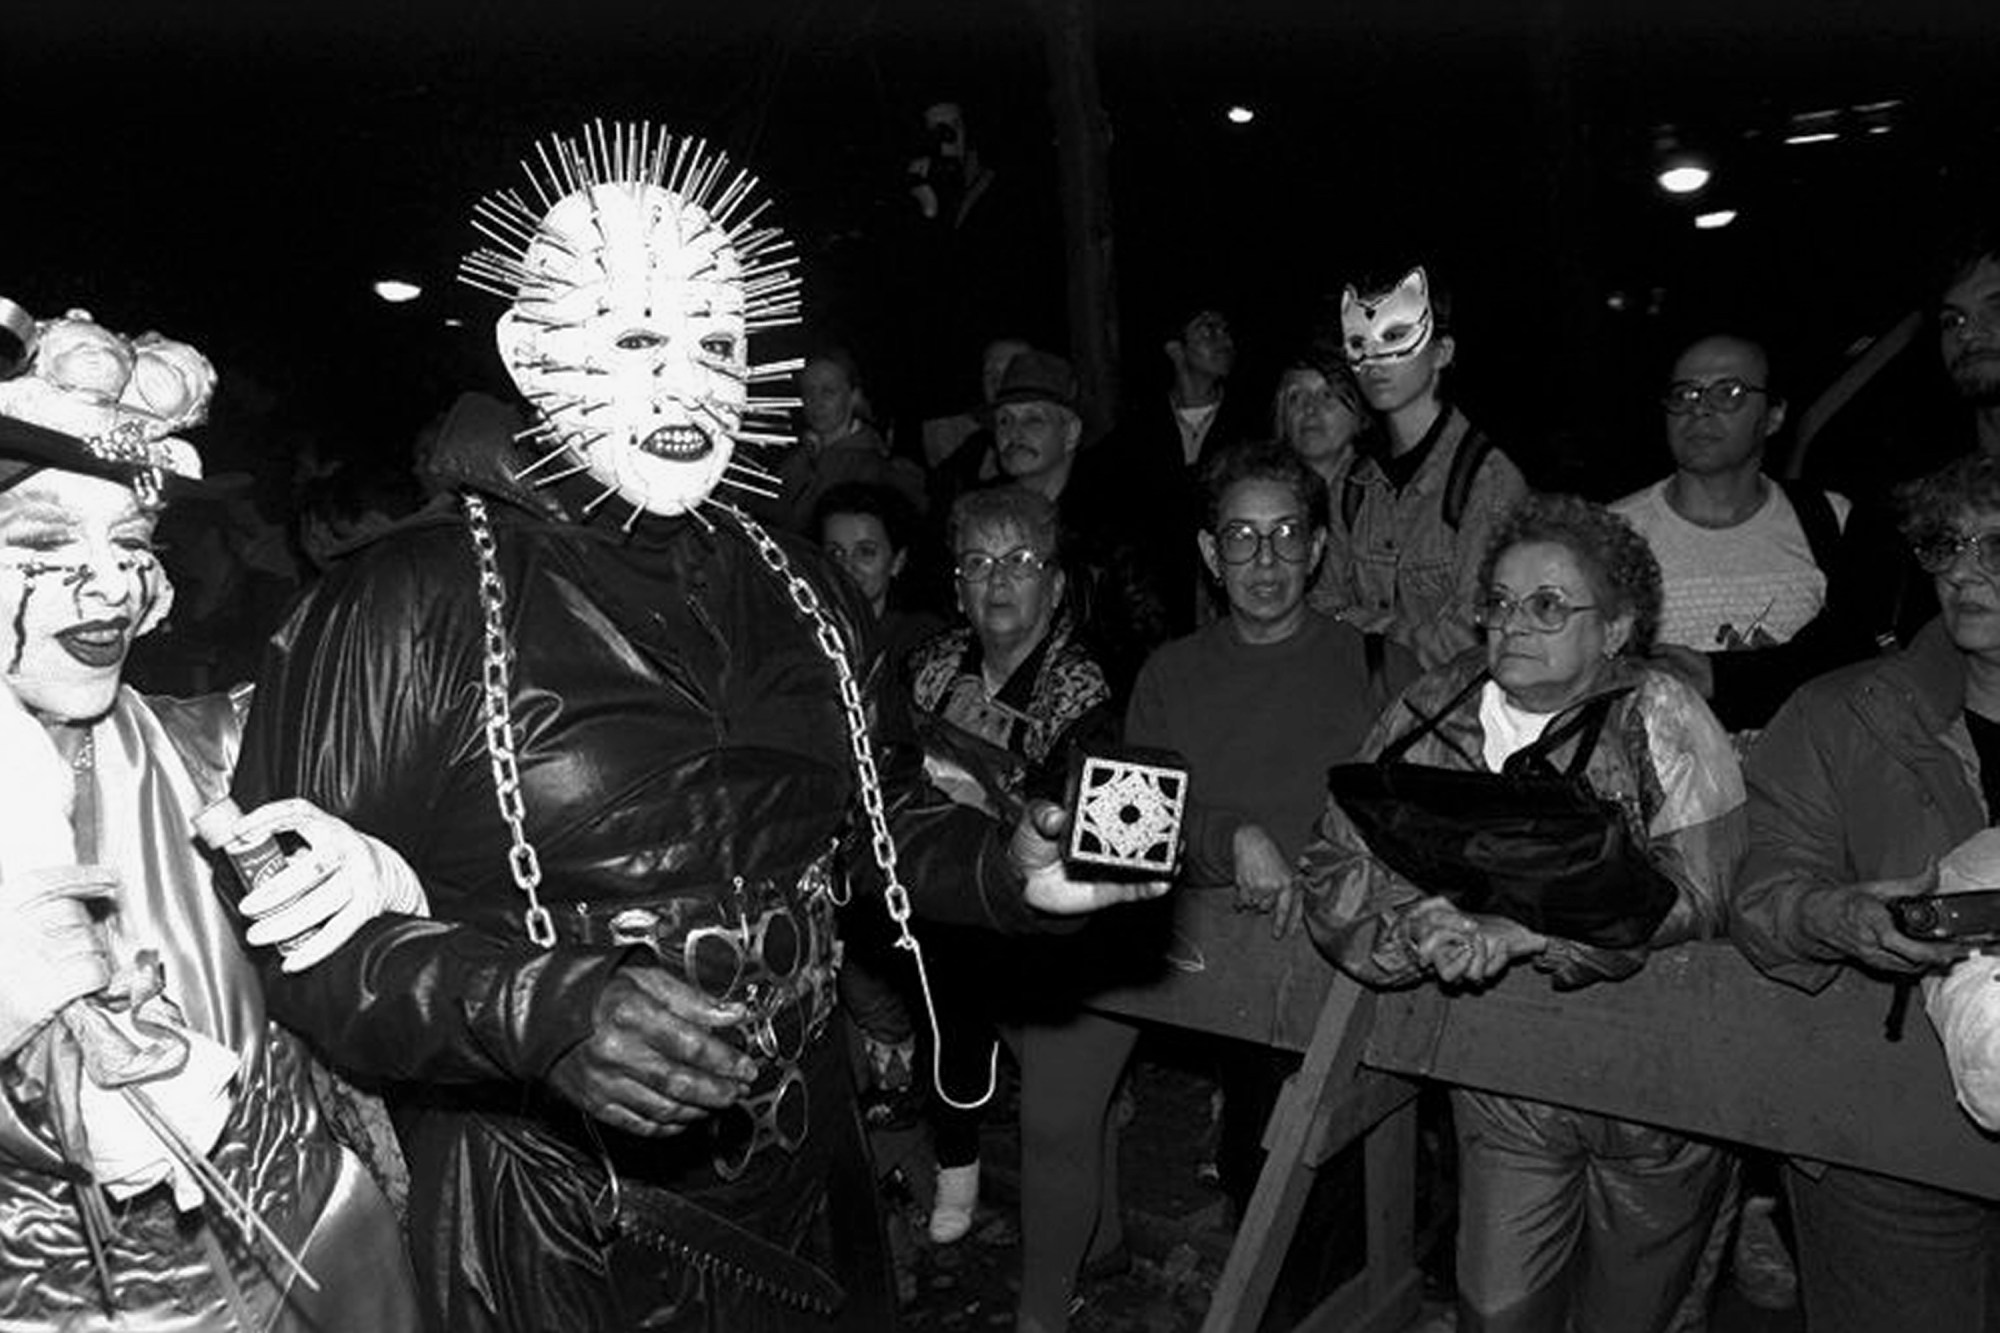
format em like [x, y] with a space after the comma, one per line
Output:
[1698, 1041]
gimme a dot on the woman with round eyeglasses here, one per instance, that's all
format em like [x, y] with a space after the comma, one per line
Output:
[1873, 783]
[1015, 689]
[1566, 1219]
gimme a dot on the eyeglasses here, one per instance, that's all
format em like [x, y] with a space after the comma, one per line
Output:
[1939, 552]
[1016, 566]
[1545, 610]
[1724, 395]
[1240, 542]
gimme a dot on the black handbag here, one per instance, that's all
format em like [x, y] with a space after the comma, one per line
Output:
[1532, 843]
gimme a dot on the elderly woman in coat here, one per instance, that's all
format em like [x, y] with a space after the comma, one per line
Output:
[1563, 1215]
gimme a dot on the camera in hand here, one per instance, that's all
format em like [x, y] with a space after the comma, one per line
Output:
[1949, 916]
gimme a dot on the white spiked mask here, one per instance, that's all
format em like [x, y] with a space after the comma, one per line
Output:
[1387, 327]
[633, 297]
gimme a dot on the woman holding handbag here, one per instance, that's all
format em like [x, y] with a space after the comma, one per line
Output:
[1556, 742]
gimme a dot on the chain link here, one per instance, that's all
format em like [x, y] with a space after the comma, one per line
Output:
[500, 745]
[496, 688]
[805, 598]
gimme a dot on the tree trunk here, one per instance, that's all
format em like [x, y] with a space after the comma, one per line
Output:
[1083, 171]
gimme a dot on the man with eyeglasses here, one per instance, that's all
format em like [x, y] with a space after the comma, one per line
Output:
[1749, 563]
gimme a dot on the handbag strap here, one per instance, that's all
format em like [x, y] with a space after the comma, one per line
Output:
[1428, 723]
[1586, 724]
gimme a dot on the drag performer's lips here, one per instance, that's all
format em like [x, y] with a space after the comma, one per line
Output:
[97, 643]
[678, 444]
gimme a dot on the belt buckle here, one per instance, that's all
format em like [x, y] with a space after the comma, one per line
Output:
[635, 925]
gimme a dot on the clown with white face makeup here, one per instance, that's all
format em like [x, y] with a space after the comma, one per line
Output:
[140, 1071]
[623, 735]
[1413, 509]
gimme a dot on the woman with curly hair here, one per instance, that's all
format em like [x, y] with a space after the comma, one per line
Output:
[1566, 1219]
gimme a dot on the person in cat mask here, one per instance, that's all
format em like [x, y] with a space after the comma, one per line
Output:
[1414, 509]
[623, 734]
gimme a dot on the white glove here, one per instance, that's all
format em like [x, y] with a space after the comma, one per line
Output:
[37, 791]
[51, 951]
[1964, 1006]
[324, 893]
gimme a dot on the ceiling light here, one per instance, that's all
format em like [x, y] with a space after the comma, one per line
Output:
[1721, 217]
[1817, 136]
[1240, 115]
[396, 291]
[1684, 177]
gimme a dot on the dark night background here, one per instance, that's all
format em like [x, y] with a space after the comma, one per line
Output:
[237, 174]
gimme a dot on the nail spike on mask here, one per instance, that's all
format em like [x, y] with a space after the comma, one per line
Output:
[555, 454]
[770, 372]
[741, 477]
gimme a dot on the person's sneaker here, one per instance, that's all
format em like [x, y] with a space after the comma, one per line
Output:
[1761, 1267]
[957, 1199]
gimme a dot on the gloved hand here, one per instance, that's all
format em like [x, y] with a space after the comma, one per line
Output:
[37, 791]
[51, 951]
[325, 892]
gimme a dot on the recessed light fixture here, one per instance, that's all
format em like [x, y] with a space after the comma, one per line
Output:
[1721, 217]
[1240, 115]
[1684, 178]
[396, 291]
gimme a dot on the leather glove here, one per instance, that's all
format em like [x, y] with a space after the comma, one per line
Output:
[322, 894]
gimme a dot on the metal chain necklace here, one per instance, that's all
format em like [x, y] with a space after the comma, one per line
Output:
[496, 682]
[500, 746]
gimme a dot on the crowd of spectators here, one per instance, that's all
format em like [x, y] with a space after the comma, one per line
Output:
[1795, 714]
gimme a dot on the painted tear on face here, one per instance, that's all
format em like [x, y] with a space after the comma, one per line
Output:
[79, 582]
[1388, 327]
[634, 293]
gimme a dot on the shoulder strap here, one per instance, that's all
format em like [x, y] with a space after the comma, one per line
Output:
[1586, 725]
[1352, 493]
[1396, 749]
[1816, 517]
[1465, 465]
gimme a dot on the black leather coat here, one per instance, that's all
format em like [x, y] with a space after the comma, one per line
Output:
[678, 726]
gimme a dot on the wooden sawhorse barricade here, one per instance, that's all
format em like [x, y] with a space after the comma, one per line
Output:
[1699, 1042]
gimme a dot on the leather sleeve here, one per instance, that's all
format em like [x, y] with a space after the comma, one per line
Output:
[364, 699]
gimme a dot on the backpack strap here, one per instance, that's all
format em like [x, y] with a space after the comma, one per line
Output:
[1352, 493]
[1465, 465]
[1816, 517]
